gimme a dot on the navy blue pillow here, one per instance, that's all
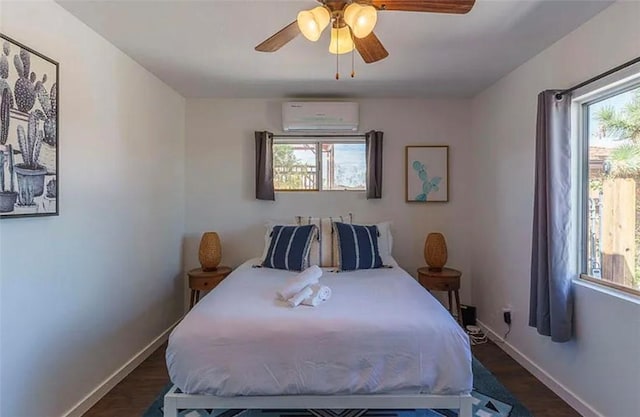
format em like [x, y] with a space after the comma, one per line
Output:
[289, 247]
[358, 246]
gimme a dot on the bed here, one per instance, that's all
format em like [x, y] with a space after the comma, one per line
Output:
[381, 341]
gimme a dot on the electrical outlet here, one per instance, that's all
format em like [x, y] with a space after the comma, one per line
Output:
[506, 315]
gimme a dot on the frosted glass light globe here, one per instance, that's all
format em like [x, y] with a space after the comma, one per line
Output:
[361, 19]
[312, 22]
[341, 42]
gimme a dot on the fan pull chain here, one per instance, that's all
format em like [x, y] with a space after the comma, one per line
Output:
[337, 57]
[353, 59]
[353, 64]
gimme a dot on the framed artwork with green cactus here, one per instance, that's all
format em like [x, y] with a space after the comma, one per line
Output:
[427, 174]
[29, 96]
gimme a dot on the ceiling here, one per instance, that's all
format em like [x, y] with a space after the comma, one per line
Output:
[205, 48]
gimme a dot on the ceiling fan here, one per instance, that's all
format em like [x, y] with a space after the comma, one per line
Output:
[352, 23]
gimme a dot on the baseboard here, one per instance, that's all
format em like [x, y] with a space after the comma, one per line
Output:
[554, 385]
[107, 385]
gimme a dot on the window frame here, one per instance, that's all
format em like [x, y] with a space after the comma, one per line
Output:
[318, 141]
[582, 102]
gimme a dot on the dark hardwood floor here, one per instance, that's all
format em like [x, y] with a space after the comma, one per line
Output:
[533, 394]
[132, 396]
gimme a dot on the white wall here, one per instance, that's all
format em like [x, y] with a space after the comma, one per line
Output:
[220, 178]
[83, 292]
[107, 277]
[601, 366]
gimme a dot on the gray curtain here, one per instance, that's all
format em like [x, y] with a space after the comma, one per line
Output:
[264, 166]
[374, 164]
[551, 302]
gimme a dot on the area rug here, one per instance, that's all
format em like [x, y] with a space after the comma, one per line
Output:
[491, 399]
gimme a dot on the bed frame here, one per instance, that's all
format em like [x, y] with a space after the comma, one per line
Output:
[174, 401]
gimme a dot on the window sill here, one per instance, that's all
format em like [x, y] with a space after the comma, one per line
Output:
[320, 191]
[623, 294]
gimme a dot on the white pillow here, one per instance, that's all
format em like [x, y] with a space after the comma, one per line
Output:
[385, 242]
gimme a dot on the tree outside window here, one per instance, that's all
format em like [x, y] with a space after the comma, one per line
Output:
[614, 189]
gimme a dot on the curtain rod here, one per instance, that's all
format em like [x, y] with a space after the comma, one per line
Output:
[333, 135]
[598, 77]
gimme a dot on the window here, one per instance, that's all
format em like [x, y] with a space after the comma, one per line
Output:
[317, 164]
[610, 147]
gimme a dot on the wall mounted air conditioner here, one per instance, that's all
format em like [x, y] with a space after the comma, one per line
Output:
[319, 115]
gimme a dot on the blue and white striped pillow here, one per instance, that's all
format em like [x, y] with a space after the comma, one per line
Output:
[358, 246]
[289, 247]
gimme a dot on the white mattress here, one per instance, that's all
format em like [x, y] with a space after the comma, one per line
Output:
[380, 332]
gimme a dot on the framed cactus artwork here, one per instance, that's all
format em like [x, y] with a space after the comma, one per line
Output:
[427, 174]
[29, 96]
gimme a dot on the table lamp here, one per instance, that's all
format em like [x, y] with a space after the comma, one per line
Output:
[210, 251]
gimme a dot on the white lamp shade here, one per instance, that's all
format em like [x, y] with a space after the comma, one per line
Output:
[312, 22]
[341, 42]
[361, 19]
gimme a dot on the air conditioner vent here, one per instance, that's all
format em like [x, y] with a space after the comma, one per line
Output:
[319, 115]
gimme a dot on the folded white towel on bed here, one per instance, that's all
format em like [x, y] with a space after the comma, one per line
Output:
[300, 297]
[296, 284]
[320, 294]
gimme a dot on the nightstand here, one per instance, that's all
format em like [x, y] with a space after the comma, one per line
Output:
[447, 279]
[200, 280]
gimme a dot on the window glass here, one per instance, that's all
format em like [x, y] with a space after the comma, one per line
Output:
[294, 166]
[344, 166]
[612, 193]
[341, 165]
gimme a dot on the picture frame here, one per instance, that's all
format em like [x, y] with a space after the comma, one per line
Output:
[427, 173]
[29, 127]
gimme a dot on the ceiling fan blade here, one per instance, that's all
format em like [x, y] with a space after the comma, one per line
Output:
[433, 6]
[277, 41]
[370, 48]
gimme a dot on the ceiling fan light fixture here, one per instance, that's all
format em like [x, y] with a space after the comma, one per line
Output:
[361, 19]
[341, 42]
[312, 22]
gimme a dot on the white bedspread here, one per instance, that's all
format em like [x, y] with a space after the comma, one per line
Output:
[380, 332]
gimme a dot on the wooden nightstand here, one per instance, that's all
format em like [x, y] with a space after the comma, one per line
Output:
[200, 280]
[447, 279]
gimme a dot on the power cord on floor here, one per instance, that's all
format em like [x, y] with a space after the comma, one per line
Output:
[476, 335]
[506, 315]
[504, 338]
[507, 333]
